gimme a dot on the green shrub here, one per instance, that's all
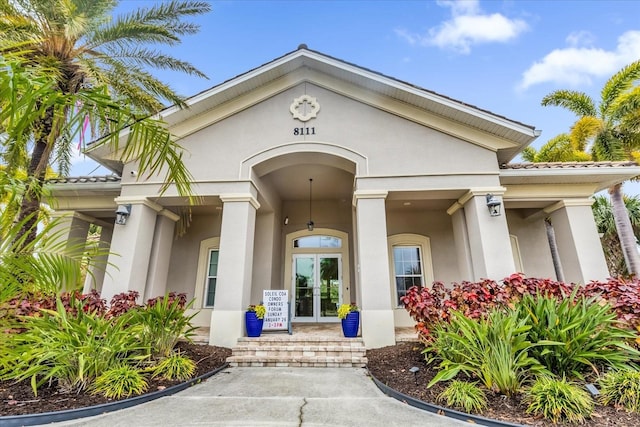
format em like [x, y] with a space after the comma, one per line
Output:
[576, 335]
[493, 349]
[118, 382]
[70, 348]
[558, 400]
[465, 395]
[621, 388]
[175, 367]
[164, 323]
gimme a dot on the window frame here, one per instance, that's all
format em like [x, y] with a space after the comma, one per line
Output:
[208, 277]
[200, 296]
[423, 243]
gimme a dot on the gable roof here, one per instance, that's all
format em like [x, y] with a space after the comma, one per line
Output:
[507, 137]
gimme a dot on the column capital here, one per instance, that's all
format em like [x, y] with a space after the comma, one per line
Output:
[567, 203]
[79, 215]
[474, 192]
[169, 214]
[240, 197]
[122, 200]
[369, 194]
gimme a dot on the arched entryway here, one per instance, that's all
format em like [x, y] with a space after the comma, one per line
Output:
[317, 273]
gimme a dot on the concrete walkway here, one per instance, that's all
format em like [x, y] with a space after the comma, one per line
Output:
[280, 397]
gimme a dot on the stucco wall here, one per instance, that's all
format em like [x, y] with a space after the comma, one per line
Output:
[392, 145]
[184, 253]
[533, 243]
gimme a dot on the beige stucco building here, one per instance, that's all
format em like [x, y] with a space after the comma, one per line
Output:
[401, 179]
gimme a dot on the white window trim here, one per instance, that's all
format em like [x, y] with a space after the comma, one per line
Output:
[408, 239]
[515, 250]
[206, 246]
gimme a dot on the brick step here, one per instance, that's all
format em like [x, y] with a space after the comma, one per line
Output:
[293, 340]
[297, 351]
[298, 361]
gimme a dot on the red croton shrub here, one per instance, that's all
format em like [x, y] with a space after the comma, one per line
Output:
[31, 304]
[428, 306]
[622, 295]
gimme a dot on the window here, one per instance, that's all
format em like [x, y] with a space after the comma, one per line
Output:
[410, 263]
[212, 277]
[318, 241]
[408, 272]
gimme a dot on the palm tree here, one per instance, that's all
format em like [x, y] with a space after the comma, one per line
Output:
[557, 149]
[99, 65]
[613, 129]
[603, 214]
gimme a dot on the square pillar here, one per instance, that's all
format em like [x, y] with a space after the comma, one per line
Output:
[96, 278]
[461, 241]
[378, 328]
[235, 264]
[128, 264]
[578, 242]
[71, 230]
[489, 242]
[160, 254]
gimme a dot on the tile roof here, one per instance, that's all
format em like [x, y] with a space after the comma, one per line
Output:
[83, 179]
[567, 165]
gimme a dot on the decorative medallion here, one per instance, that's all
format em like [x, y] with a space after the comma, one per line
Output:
[304, 108]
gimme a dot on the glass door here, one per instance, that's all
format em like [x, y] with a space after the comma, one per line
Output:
[317, 285]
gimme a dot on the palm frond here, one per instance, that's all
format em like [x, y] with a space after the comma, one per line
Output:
[155, 59]
[583, 130]
[577, 102]
[529, 154]
[618, 84]
[625, 105]
[607, 147]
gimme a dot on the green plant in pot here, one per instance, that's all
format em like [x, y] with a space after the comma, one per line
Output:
[350, 316]
[254, 319]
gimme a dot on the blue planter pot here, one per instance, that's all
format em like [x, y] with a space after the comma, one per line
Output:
[350, 324]
[253, 324]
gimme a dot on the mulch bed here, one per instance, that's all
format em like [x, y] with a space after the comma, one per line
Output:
[391, 366]
[18, 398]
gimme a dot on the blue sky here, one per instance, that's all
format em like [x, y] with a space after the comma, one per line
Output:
[502, 56]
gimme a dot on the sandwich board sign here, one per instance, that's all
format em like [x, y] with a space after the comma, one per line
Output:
[276, 301]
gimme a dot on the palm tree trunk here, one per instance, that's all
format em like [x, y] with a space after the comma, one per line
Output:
[625, 231]
[30, 205]
[553, 246]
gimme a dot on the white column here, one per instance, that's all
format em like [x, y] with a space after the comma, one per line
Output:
[96, 278]
[489, 241]
[71, 230]
[461, 240]
[131, 249]
[160, 254]
[578, 242]
[378, 328]
[235, 264]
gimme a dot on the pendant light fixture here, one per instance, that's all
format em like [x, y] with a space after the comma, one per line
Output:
[310, 223]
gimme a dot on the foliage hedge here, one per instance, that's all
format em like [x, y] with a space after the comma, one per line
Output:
[430, 305]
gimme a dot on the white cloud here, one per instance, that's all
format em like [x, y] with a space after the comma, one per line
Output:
[580, 38]
[575, 65]
[467, 27]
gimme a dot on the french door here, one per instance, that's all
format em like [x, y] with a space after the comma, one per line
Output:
[317, 287]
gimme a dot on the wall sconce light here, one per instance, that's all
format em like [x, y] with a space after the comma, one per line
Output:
[122, 213]
[493, 203]
[310, 223]
[286, 220]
